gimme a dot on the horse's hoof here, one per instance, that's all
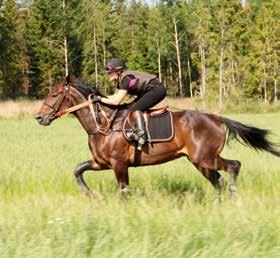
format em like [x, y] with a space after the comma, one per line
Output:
[233, 195]
[94, 195]
[217, 200]
[124, 192]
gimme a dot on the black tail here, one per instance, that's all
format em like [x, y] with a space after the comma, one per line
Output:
[251, 136]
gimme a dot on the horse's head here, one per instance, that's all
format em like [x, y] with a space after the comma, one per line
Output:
[56, 100]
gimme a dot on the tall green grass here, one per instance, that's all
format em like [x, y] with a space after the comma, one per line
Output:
[170, 212]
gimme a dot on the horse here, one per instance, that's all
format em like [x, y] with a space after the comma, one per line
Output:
[198, 136]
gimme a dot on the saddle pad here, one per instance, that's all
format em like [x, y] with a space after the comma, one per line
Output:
[159, 127]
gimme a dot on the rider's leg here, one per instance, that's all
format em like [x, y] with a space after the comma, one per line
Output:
[150, 98]
[140, 128]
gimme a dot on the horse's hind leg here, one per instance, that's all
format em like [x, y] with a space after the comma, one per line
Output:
[215, 179]
[231, 166]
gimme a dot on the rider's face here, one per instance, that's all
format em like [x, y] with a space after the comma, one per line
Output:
[113, 76]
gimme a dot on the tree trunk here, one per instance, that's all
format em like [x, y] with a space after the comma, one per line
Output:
[189, 69]
[171, 76]
[275, 78]
[132, 33]
[104, 52]
[66, 56]
[275, 90]
[221, 86]
[232, 73]
[178, 57]
[190, 78]
[25, 79]
[171, 71]
[203, 69]
[159, 62]
[65, 45]
[95, 53]
[264, 84]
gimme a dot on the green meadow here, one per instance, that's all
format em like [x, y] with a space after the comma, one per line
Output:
[170, 212]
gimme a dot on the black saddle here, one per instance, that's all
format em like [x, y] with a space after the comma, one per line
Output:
[159, 127]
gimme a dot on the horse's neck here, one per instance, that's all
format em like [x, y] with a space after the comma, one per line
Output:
[124, 108]
[111, 112]
[84, 114]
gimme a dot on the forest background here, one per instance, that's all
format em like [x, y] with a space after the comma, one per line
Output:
[213, 51]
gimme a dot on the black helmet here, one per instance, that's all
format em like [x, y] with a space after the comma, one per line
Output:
[115, 65]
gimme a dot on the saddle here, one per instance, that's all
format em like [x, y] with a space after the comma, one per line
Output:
[159, 126]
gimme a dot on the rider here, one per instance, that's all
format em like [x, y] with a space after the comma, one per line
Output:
[146, 87]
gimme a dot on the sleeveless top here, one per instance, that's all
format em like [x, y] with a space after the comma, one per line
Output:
[135, 82]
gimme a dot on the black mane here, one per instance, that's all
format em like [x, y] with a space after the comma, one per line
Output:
[87, 89]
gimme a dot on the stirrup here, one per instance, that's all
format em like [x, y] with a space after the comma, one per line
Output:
[139, 146]
[141, 142]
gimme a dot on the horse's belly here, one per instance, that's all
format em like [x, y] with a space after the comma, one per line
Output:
[159, 153]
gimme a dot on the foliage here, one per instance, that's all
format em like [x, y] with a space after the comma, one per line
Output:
[226, 47]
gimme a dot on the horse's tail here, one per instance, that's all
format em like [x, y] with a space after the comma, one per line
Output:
[251, 136]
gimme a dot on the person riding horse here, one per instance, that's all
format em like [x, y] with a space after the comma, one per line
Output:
[146, 87]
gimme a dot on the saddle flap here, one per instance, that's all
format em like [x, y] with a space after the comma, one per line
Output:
[159, 127]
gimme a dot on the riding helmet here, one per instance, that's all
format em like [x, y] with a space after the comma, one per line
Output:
[115, 65]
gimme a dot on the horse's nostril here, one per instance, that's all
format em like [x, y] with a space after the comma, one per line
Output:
[39, 118]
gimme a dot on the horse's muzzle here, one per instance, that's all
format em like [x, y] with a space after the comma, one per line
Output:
[44, 120]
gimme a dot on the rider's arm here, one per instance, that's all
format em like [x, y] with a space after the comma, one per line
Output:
[115, 99]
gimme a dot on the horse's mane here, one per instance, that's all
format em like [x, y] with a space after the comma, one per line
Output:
[87, 89]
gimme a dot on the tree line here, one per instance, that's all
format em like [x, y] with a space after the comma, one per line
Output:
[215, 50]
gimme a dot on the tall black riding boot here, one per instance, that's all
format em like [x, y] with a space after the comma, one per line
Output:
[140, 129]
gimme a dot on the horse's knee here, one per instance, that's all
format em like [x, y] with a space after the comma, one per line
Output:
[80, 168]
[77, 170]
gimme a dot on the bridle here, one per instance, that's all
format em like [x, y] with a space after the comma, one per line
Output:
[103, 129]
[59, 102]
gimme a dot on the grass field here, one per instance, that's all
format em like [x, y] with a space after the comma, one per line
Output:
[170, 212]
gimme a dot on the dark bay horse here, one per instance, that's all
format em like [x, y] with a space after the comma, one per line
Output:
[198, 136]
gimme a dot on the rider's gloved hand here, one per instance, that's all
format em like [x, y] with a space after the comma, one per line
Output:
[96, 99]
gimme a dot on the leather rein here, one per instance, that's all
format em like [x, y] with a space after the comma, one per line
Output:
[103, 129]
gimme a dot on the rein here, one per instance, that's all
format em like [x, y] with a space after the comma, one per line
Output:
[103, 129]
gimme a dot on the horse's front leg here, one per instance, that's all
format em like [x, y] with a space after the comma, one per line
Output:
[121, 172]
[78, 172]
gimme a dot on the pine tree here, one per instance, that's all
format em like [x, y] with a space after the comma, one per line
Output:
[50, 37]
[10, 50]
[158, 40]
[202, 23]
[265, 45]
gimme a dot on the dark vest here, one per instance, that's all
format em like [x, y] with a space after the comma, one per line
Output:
[143, 79]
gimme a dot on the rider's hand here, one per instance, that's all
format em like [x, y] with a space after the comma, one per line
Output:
[96, 99]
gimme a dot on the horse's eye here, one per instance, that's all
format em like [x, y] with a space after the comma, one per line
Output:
[54, 94]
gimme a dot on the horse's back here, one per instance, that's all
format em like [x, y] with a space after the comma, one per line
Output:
[197, 120]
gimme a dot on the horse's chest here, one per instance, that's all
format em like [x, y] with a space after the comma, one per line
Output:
[109, 150]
